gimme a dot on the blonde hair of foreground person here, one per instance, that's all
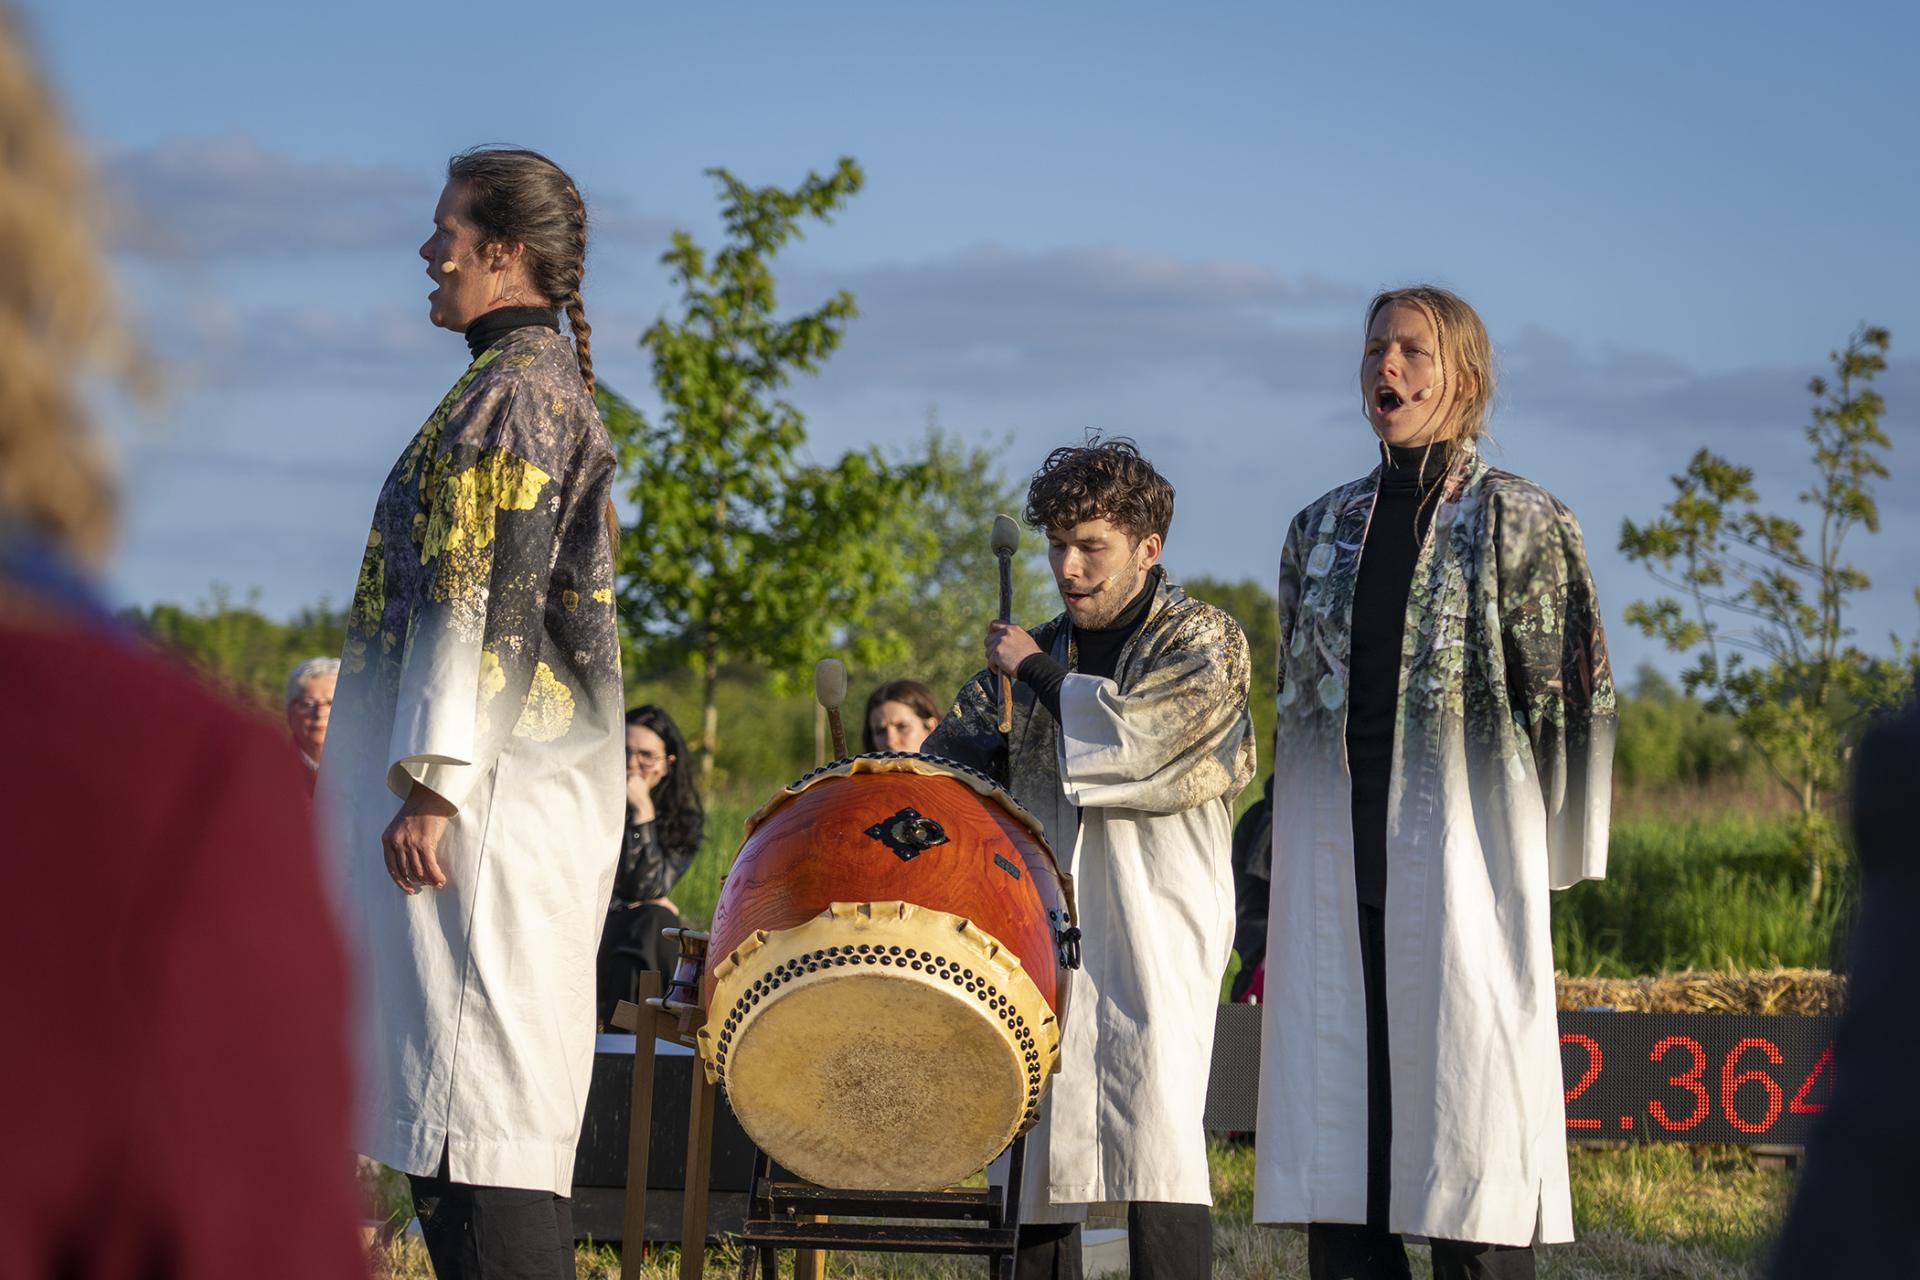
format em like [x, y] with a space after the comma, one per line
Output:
[56, 320]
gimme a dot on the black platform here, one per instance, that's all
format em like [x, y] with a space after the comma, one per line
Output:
[600, 1164]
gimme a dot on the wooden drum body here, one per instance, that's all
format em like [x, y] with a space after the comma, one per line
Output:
[893, 943]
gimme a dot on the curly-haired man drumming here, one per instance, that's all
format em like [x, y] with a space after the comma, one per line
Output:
[1130, 740]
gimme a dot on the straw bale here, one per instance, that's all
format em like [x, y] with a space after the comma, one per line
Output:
[1781, 991]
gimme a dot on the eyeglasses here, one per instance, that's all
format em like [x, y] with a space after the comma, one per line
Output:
[307, 706]
[647, 757]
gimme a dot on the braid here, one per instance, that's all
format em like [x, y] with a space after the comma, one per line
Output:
[576, 306]
[1451, 447]
[582, 338]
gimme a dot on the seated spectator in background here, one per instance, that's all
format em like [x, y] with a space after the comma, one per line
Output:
[665, 821]
[309, 702]
[1252, 874]
[176, 1099]
[900, 715]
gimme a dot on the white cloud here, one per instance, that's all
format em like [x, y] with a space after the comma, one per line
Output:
[231, 197]
[992, 320]
[211, 197]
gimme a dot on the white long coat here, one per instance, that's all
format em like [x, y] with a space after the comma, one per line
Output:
[1134, 787]
[482, 660]
[1500, 792]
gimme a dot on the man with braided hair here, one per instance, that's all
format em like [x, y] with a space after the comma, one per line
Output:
[1130, 741]
[473, 770]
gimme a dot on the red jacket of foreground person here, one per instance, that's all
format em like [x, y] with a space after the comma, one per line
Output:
[174, 1082]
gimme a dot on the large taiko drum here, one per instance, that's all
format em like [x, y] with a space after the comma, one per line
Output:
[891, 951]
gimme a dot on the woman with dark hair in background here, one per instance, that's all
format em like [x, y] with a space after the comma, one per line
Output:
[472, 769]
[900, 715]
[665, 821]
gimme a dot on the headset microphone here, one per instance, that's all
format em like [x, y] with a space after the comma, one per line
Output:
[449, 267]
[1421, 394]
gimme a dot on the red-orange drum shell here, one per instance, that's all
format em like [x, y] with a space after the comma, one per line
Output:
[813, 847]
[889, 923]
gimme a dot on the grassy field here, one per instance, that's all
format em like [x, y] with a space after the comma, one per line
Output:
[1702, 891]
[1725, 892]
[1679, 1213]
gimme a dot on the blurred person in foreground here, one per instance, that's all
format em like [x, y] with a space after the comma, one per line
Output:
[309, 704]
[472, 782]
[176, 999]
[1853, 1213]
[658, 841]
[900, 715]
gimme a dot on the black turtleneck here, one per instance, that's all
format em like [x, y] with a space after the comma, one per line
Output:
[1402, 513]
[501, 321]
[1097, 649]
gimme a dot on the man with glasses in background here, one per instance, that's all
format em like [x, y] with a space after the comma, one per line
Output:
[309, 700]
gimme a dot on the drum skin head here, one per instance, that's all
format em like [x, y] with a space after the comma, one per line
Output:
[880, 1046]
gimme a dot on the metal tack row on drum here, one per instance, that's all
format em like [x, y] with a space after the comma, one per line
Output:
[891, 958]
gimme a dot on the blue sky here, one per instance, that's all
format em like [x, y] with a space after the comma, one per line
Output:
[1155, 222]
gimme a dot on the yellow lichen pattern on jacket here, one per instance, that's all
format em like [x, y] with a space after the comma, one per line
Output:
[492, 513]
[548, 713]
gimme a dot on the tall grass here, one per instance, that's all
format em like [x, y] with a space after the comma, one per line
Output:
[1726, 892]
[699, 889]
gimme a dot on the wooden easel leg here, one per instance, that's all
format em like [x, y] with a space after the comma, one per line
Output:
[810, 1264]
[639, 1133]
[693, 1215]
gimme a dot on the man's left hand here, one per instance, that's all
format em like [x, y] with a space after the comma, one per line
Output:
[1007, 647]
[411, 842]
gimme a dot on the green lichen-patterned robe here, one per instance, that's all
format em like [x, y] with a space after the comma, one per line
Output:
[1134, 785]
[1502, 765]
[482, 661]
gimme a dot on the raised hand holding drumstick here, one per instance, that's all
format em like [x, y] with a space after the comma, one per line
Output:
[1006, 540]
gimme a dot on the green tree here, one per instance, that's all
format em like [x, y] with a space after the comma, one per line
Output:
[239, 649]
[941, 615]
[1767, 611]
[1670, 742]
[743, 550]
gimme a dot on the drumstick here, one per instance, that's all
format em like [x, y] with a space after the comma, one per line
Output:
[830, 690]
[1006, 540]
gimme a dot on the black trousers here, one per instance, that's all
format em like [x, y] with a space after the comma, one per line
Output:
[493, 1233]
[1164, 1242]
[1349, 1251]
[630, 944]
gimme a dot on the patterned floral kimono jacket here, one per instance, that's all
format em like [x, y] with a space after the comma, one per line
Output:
[1499, 792]
[1134, 784]
[482, 661]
